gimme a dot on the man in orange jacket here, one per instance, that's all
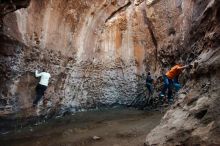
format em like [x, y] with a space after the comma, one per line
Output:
[169, 78]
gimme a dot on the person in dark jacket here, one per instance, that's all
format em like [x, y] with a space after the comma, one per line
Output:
[149, 84]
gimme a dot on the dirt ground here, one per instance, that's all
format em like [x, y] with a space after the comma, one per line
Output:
[119, 127]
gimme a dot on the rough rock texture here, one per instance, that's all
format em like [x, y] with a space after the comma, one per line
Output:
[95, 50]
[194, 118]
[10, 52]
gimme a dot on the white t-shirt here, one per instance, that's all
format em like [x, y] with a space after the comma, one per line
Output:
[44, 80]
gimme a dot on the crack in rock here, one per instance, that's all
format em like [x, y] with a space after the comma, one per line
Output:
[151, 31]
[118, 10]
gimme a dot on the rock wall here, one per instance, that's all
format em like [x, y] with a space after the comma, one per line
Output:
[194, 118]
[96, 51]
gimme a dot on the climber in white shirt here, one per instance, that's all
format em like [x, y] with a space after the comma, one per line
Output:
[42, 85]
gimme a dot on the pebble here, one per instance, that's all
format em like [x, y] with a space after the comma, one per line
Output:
[96, 138]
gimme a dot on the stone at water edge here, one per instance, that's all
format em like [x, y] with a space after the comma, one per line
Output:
[96, 138]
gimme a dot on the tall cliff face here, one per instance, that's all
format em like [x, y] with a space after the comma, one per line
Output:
[96, 51]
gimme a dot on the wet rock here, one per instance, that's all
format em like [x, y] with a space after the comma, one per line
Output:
[96, 138]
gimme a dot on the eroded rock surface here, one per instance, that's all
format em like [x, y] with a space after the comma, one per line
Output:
[97, 51]
[194, 118]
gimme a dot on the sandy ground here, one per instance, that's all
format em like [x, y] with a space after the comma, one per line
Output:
[121, 127]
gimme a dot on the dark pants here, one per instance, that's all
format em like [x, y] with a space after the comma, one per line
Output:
[168, 83]
[150, 89]
[40, 89]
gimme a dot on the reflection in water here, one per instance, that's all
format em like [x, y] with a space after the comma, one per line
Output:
[122, 127]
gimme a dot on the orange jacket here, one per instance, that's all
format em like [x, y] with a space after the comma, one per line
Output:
[175, 71]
